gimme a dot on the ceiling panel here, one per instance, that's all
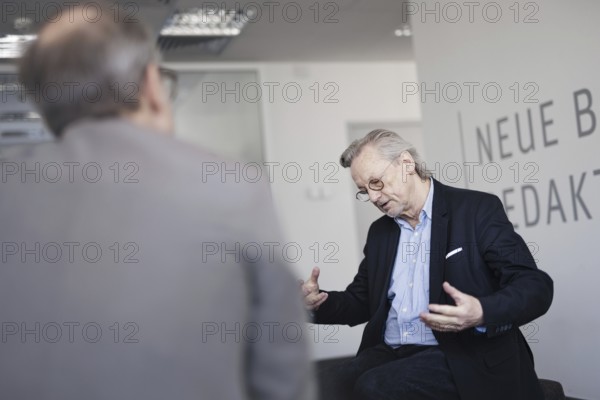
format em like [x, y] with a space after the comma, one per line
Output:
[341, 30]
[286, 31]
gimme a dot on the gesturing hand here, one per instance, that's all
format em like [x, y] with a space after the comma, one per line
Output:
[466, 314]
[310, 290]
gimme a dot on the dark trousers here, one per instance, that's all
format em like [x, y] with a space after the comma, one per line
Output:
[383, 373]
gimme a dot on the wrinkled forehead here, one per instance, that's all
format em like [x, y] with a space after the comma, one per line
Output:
[366, 165]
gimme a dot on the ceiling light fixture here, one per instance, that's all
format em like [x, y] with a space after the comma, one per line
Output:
[206, 22]
[12, 46]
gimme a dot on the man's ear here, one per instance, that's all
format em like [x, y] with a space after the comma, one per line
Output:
[152, 89]
[407, 162]
[155, 106]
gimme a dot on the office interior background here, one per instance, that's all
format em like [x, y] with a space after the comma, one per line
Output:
[497, 96]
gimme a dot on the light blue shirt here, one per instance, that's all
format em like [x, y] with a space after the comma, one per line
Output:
[409, 286]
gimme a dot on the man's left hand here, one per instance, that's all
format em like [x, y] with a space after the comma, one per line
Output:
[466, 314]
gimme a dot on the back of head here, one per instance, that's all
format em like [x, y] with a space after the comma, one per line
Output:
[86, 65]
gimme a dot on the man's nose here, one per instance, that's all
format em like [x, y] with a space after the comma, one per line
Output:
[374, 195]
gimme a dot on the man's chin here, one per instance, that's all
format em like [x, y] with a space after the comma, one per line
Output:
[390, 212]
[394, 212]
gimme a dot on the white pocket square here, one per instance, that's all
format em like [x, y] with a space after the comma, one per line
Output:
[453, 252]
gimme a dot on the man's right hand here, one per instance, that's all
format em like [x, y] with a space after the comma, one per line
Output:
[310, 290]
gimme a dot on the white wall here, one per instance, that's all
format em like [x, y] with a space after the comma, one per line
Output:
[235, 124]
[549, 60]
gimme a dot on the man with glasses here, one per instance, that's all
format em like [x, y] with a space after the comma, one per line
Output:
[122, 275]
[444, 285]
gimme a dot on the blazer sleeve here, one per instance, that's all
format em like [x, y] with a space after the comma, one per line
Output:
[350, 307]
[524, 292]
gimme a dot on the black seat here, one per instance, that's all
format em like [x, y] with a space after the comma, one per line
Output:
[552, 390]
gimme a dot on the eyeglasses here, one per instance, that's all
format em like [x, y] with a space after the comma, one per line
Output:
[169, 80]
[374, 184]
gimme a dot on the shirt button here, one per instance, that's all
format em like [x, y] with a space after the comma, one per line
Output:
[404, 309]
[410, 284]
[414, 260]
[416, 233]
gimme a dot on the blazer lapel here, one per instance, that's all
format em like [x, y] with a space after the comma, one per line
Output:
[438, 245]
[390, 256]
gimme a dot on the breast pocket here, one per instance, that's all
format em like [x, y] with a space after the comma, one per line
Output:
[455, 256]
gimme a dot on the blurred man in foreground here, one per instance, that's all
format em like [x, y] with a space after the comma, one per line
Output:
[121, 273]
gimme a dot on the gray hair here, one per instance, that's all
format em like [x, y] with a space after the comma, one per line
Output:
[389, 145]
[95, 71]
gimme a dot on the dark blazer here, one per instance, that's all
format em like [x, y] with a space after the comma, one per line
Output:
[495, 265]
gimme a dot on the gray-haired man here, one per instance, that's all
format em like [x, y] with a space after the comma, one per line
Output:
[444, 286]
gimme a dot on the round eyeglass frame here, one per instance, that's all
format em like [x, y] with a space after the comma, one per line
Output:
[374, 184]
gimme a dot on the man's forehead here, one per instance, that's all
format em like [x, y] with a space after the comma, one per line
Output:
[365, 164]
[368, 157]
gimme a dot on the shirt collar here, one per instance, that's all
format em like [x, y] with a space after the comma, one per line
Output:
[425, 212]
[429, 201]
